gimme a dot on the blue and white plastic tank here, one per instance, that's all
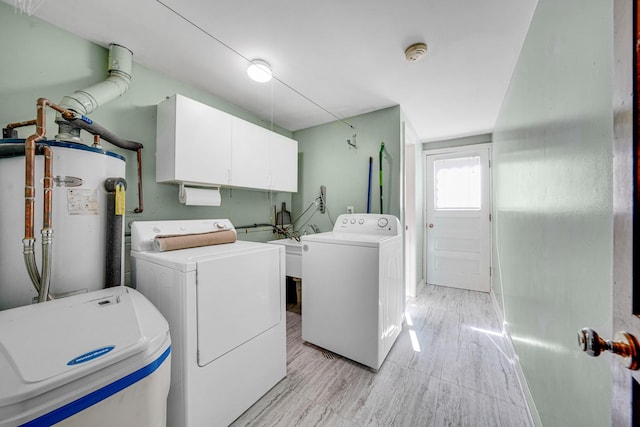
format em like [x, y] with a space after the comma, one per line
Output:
[97, 359]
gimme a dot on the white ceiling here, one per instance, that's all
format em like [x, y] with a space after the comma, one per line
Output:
[331, 58]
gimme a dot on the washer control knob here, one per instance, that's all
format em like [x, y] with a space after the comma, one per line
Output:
[382, 222]
[345, 220]
[219, 226]
[361, 221]
[353, 220]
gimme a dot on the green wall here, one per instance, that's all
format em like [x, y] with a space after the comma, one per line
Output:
[326, 159]
[40, 60]
[553, 207]
[45, 61]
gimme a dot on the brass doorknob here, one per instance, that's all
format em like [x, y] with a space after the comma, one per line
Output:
[430, 225]
[623, 344]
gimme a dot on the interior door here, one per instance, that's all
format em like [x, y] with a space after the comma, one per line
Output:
[625, 398]
[458, 232]
[625, 373]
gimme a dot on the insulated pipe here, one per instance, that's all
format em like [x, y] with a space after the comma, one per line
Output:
[15, 150]
[81, 121]
[140, 207]
[85, 101]
[113, 270]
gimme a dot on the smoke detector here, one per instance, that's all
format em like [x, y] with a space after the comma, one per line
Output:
[415, 51]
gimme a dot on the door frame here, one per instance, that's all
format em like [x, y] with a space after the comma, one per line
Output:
[625, 141]
[454, 150]
[412, 193]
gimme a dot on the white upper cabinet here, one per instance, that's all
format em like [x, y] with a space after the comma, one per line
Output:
[262, 159]
[201, 145]
[249, 155]
[193, 143]
[283, 163]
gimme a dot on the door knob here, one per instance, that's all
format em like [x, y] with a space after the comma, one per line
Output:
[430, 225]
[623, 344]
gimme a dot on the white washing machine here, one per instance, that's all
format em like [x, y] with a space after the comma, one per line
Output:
[97, 359]
[353, 292]
[225, 305]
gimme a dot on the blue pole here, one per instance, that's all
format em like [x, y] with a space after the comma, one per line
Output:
[369, 186]
[381, 151]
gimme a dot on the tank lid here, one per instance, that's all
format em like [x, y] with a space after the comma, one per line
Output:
[72, 145]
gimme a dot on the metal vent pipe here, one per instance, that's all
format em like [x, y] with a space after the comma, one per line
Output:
[87, 100]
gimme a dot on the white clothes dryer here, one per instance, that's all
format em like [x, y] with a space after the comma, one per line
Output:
[225, 305]
[353, 292]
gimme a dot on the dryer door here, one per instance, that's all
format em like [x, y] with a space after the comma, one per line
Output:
[238, 298]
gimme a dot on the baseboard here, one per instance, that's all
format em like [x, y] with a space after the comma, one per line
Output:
[418, 285]
[534, 416]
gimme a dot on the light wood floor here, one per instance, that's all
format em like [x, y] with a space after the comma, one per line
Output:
[449, 367]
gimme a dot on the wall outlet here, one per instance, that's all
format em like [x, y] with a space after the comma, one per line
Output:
[350, 210]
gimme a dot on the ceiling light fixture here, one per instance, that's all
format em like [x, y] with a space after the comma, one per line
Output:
[259, 71]
[415, 51]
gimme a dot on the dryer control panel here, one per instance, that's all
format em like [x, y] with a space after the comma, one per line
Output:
[144, 232]
[378, 224]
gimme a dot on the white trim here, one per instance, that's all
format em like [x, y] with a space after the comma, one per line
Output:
[530, 405]
[456, 149]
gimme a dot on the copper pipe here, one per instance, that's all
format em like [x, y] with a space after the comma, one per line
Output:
[20, 124]
[48, 187]
[30, 160]
[41, 283]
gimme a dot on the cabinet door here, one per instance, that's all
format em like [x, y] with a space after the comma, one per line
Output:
[193, 142]
[283, 163]
[249, 155]
[203, 143]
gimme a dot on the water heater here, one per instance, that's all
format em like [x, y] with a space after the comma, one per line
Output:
[78, 214]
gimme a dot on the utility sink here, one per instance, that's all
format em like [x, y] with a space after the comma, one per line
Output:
[293, 250]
